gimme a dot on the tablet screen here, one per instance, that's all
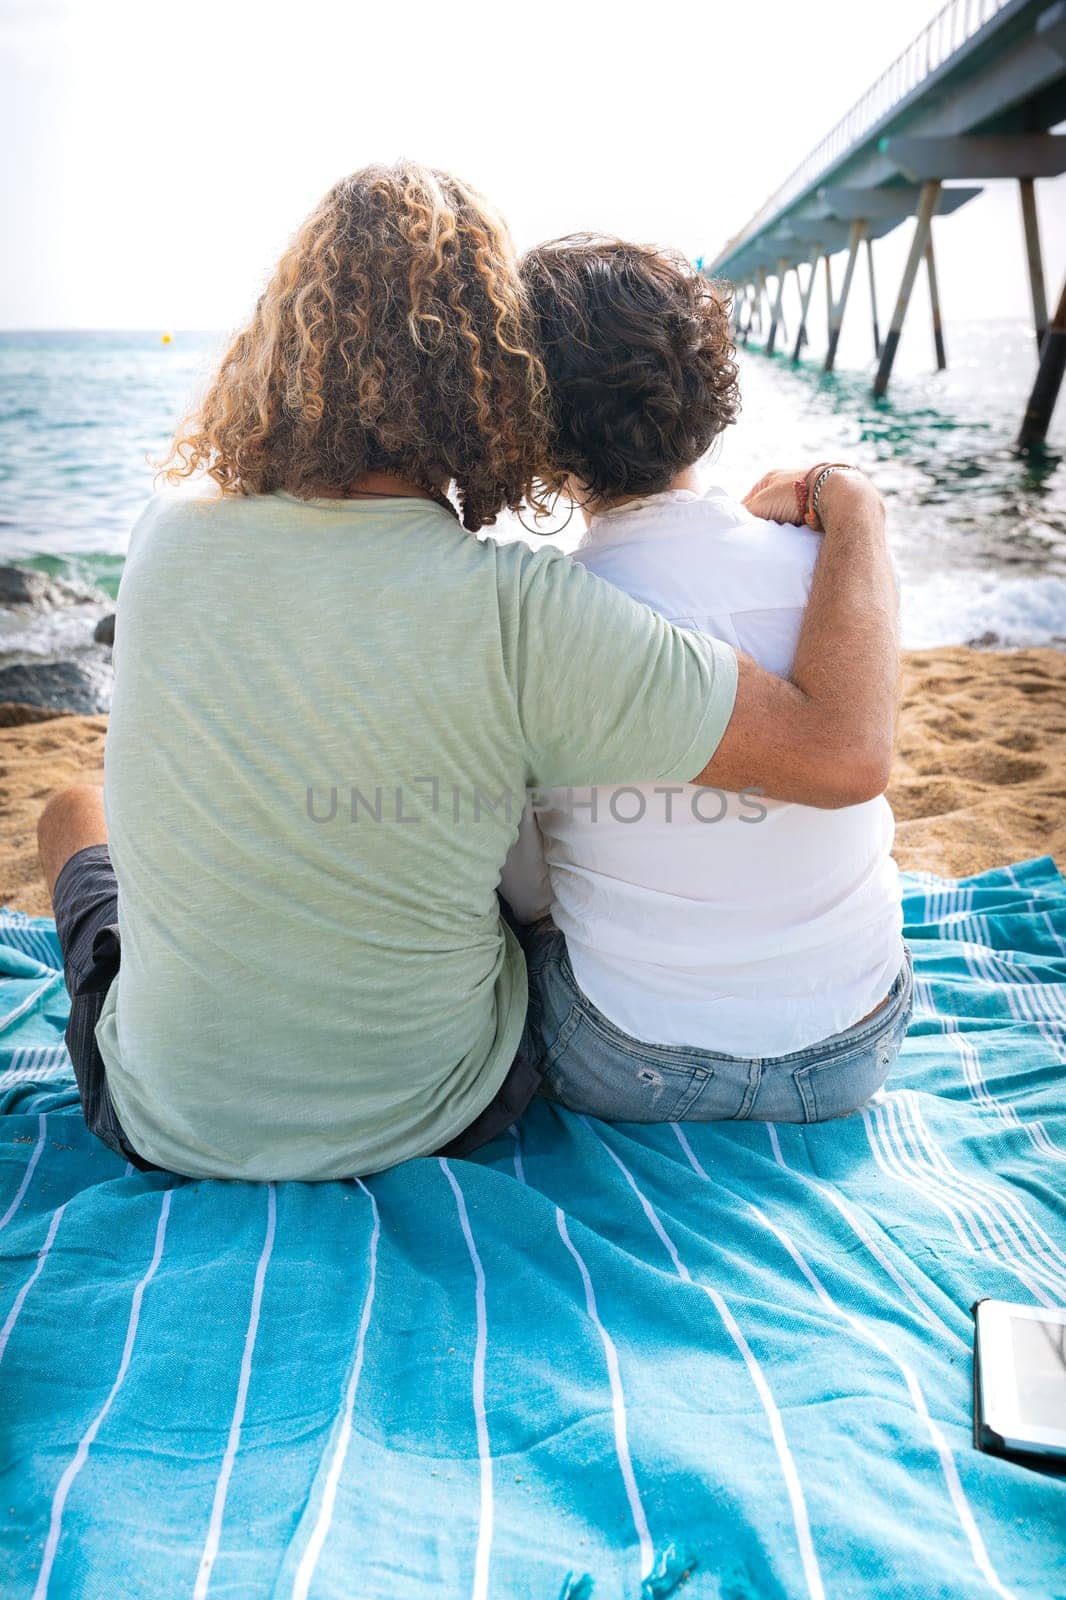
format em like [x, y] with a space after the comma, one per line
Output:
[1039, 1350]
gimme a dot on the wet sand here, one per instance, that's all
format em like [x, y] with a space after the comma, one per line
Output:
[979, 779]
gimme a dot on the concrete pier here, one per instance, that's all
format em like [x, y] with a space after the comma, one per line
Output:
[873, 296]
[934, 304]
[926, 206]
[1048, 381]
[858, 234]
[805, 306]
[971, 99]
[779, 305]
[1034, 258]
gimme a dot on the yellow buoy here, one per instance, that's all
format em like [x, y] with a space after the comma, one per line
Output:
[165, 338]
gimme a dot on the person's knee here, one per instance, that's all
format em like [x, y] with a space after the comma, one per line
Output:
[71, 820]
[69, 808]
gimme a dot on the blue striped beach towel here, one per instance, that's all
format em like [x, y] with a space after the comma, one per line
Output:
[602, 1361]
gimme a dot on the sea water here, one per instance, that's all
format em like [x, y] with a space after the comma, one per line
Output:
[978, 532]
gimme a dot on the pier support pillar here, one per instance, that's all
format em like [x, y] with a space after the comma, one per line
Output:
[1030, 222]
[934, 303]
[802, 331]
[873, 295]
[760, 290]
[744, 311]
[805, 305]
[930, 194]
[827, 263]
[858, 234]
[1048, 380]
[779, 303]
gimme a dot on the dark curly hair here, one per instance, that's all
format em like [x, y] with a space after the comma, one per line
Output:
[637, 348]
[393, 336]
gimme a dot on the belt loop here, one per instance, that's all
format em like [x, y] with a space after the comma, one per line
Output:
[754, 1081]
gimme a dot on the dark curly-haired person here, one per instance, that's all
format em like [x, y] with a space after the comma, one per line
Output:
[708, 954]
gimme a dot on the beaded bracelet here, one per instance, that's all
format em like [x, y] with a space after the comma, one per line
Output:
[800, 487]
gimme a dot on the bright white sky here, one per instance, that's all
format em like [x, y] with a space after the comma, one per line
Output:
[155, 159]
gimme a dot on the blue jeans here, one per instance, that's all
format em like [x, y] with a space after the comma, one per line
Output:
[590, 1065]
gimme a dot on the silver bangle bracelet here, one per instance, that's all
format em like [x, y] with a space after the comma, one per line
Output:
[826, 472]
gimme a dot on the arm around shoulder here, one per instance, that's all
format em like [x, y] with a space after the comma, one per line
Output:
[790, 746]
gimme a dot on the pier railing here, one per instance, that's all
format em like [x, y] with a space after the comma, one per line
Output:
[949, 30]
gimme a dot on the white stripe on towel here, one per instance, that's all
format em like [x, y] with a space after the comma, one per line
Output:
[484, 1536]
[218, 1508]
[618, 1405]
[1026, 1007]
[1002, 1208]
[1029, 1000]
[29, 941]
[989, 965]
[900, 1161]
[618, 1402]
[42, 1064]
[20, 1298]
[1035, 1132]
[42, 1127]
[306, 1570]
[905, 1151]
[946, 901]
[1002, 1202]
[928, 1316]
[55, 1526]
[55, 981]
[1056, 936]
[947, 1459]
[784, 1454]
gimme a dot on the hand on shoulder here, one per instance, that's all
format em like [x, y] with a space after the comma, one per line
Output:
[785, 494]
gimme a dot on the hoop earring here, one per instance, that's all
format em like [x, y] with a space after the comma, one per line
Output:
[536, 533]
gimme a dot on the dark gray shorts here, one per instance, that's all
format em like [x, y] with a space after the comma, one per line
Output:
[85, 901]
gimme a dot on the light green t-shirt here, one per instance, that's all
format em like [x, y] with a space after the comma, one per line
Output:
[326, 715]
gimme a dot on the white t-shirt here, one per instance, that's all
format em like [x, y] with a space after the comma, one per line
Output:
[737, 924]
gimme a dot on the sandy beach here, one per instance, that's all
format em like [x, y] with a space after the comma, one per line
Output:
[980, 771]
[979, 780]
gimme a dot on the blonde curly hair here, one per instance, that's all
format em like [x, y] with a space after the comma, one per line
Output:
[393, 336]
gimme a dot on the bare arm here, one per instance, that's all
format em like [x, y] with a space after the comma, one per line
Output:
[825, 737]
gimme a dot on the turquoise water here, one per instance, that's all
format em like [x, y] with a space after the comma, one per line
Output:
[80, 416]
[979, 534]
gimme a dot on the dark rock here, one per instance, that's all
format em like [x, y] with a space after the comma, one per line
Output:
[83, 687]
[984, 641]
[104, 632]
[23, 586]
